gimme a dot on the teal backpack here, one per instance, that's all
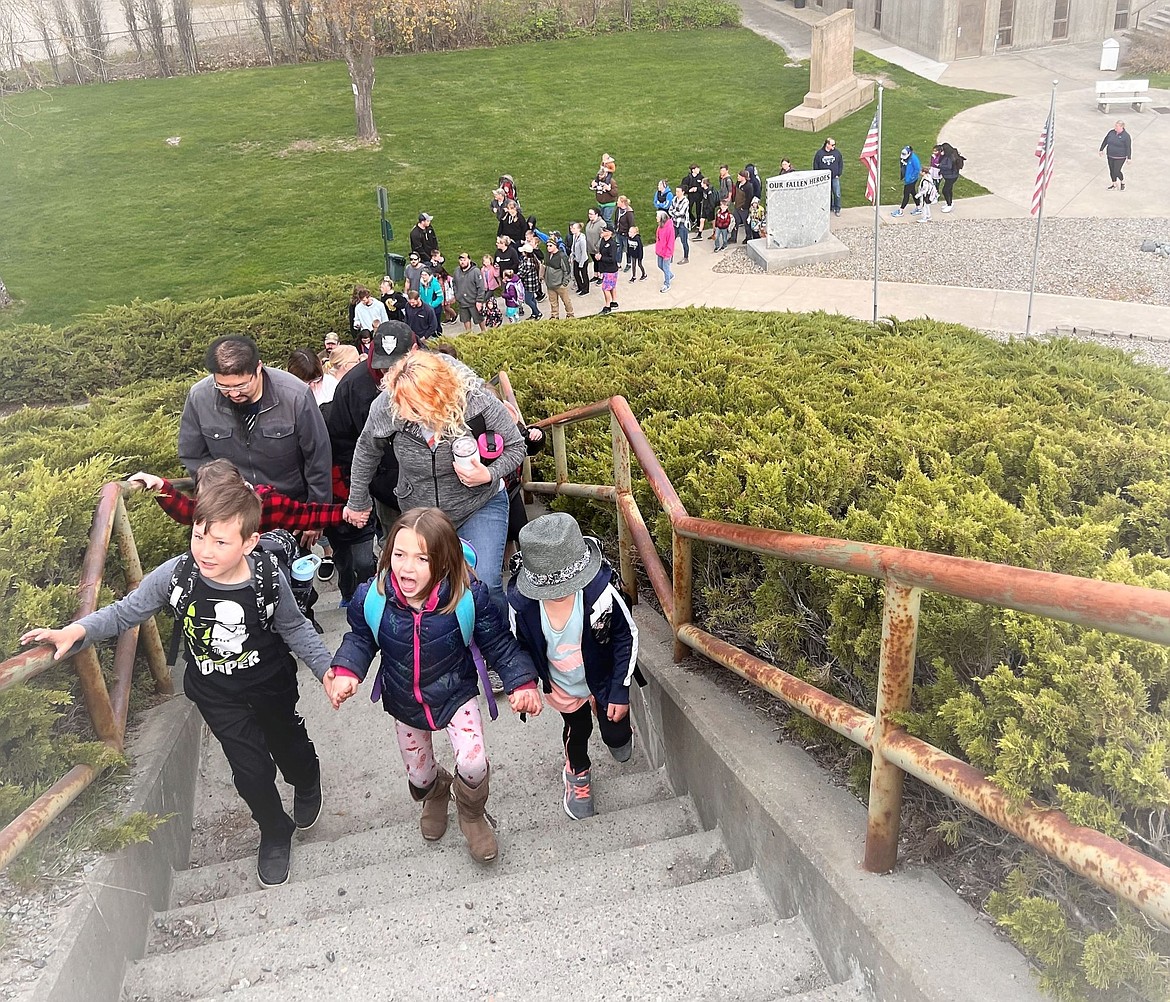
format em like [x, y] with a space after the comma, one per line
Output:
[374, 607]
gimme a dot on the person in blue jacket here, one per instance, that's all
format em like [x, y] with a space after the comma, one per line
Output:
[911, 171]
[570, 618]
[428, 680]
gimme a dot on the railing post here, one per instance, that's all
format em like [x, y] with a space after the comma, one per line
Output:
[156, 656]
[97, 696]
[623, 483]
[681, 554]
[895, 685]
[560, 456]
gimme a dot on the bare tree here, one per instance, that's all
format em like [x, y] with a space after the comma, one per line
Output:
[186, 32]
[130, 12]
[288, 20]
[260, 9]
[67, 27]
[151, 12]
[93, 30]
[38, 15]
[354, 21]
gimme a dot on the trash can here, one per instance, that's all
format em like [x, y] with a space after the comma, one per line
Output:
[396, 267]
[1110, 48]
[798, 4]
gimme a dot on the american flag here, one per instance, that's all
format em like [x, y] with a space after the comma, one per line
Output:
[869, 157]
[1045, 153]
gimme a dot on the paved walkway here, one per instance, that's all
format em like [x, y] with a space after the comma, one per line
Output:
[999, 140]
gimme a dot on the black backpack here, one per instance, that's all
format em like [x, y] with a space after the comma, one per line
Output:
[960, 160]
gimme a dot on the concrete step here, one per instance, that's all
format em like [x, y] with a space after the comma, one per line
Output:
[847, 991]
[764, 961]
[532, 934]
[315, 855]
[445, 867]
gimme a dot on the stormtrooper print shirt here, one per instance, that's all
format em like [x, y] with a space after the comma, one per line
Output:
[227, 645]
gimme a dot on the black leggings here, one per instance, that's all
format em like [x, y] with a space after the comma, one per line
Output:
[578, 728]
[1115, 166]
[581, 276]
[948, 189]
[908, 195]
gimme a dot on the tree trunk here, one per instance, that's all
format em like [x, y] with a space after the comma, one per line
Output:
[5, 299]
[359, 57]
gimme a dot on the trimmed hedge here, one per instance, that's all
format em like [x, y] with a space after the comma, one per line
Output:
[918, 434]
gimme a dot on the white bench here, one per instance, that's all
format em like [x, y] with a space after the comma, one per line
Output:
[1135, 93]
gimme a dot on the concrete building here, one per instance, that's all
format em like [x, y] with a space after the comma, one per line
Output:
[946, 30]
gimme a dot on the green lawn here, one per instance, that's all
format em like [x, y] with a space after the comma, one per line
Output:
[98, 209]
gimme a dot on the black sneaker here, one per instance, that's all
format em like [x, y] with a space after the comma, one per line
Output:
[307, 807]
[623, 752]
[327, 569]
[613, 305]
[603, 311]
[272, 861]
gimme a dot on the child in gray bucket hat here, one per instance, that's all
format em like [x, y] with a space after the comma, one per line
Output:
[569, 616]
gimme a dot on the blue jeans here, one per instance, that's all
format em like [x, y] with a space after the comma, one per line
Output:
[835, 197]
[530, 302]
[607, 211]
[622, 241]
[487, 532]
[682, 233]
[664, 264]
[721, 237]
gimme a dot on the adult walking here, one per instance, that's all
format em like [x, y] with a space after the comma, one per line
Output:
[507, 256]
[950, 165]
[829, 158]
[593, 226]
[911, 171]
[605, 188]
[664, 247]
[1117, 148]
[690, 185]
[470, 292]
[428, 404]
[512, 224]
[607, 266]
[580, 256]
[742, 203]
[263, 420]
[556, 279]
[623, 220]
[423, 239]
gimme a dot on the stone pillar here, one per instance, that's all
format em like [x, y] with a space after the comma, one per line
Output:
[834, 90]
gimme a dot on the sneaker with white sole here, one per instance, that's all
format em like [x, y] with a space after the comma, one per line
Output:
[326, 569]
[896, 212]
[915, 212]
[578, 802]
[948, 208]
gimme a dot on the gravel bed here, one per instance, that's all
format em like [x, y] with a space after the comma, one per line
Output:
[1093, 258]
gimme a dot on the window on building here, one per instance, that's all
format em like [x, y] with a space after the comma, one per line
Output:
[1121, 17]
[1060, 20]
[1007, 17]
[877, 15]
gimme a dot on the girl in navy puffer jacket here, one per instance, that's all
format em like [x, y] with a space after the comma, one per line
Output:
[427, 677]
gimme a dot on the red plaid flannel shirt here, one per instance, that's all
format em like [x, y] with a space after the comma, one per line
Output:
[277, 511]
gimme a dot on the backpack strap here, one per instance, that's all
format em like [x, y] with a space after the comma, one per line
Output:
[465, 611]
[265, 585]
[183, 579]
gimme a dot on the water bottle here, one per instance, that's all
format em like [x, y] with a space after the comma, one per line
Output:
[304, 570]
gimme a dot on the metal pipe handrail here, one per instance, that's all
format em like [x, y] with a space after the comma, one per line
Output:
[107, 713]
[1143, 613]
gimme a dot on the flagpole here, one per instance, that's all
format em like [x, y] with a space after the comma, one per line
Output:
[877, 202]
[1040, 212]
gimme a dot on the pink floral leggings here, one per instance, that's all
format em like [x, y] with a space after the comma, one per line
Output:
[466, 733]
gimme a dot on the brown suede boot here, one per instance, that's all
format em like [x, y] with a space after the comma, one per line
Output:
[470, 802]
[434, 800]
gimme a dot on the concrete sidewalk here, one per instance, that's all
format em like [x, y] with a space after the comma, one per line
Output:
[697, 284]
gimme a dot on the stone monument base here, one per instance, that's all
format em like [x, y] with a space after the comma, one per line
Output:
[780, 259]
[805, 118]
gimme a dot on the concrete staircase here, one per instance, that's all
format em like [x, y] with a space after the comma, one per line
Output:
[638, 903]
[1157, 21]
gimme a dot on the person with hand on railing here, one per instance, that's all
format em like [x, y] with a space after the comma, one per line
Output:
[455, 444]
[574, 623]
[241, 625]
[423, 611]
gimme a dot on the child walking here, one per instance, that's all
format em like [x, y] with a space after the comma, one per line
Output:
[427, 678]
[570, 618]
[722, 225]
[513, 295]
[240, 622]
[927, 195]
[635, 253]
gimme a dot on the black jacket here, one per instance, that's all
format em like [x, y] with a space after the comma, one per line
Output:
[608, 262]
[355, 393]
[830, 160]
[423, 242]
[514, 228]
[1117, 145]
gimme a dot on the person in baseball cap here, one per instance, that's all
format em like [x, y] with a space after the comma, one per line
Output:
[423, 239]
[392, 340]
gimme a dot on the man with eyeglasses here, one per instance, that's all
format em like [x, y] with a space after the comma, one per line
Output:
[828, 157]
[263, 420]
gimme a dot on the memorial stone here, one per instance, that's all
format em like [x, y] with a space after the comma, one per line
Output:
[798, 208]
[834, 91]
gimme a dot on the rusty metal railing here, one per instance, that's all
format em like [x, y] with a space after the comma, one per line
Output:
[1136, 612]
[107, 710]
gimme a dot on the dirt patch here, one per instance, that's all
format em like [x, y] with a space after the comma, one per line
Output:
[327, 146]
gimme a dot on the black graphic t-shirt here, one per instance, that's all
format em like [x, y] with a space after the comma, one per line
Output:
[227, 645]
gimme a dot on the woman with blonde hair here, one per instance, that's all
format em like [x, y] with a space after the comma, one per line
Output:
[455, 443]
[343, 358]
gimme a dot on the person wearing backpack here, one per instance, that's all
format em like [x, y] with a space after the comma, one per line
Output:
[571, 619]
[950, 163]
[427, 679]
[911, 169]
[241, 626]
